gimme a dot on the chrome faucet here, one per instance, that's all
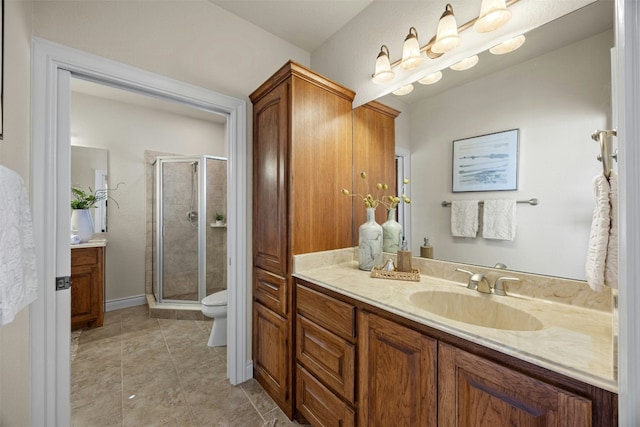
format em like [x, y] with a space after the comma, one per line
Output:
[499, 288]
[470, 284]
[477, 281]
[481, 283]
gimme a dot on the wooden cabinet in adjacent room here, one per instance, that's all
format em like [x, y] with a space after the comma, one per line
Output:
[302, 156]
[87, 287]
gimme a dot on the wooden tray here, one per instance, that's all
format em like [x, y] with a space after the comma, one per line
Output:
[413, 276]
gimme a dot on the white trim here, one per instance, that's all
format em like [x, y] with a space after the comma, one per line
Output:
[120, 303]
[628, 110]
[49, 388]
[404, 210]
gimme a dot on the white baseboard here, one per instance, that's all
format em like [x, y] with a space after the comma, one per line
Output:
[117, 304]
[248, 370]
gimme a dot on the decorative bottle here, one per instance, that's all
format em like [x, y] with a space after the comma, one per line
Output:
[370, 242]
[391, 232]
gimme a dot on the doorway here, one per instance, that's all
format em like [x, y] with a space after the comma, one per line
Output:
[53, 65]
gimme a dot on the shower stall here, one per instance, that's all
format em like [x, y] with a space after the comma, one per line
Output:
[189, 247]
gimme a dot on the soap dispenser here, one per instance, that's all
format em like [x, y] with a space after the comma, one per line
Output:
[404, 258]
[426, 250]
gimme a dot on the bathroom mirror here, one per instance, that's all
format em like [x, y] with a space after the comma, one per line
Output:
[89, 170]
[556, 89]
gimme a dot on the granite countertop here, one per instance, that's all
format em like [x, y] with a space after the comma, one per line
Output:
[98, 240]
[571, 340]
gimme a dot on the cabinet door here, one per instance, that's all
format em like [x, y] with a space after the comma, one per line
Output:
[473, 391]
[271, 354]
[397, 369]
[84, 298]
[270, 181]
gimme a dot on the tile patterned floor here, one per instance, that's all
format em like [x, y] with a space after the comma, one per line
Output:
[138, 371]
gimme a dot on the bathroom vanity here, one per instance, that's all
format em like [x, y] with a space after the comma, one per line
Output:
[371, 352]
[87, 284]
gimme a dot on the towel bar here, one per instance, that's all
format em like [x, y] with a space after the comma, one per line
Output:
[534, 201]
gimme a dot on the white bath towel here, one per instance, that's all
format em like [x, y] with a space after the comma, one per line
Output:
[464, 218]
[611, 264]
[499, 219]
[599, 236]
[18, 275]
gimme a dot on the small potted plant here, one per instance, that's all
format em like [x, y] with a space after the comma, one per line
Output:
[82, 201]
[219, 219]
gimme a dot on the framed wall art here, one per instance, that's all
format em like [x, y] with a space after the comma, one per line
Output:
[486, 162]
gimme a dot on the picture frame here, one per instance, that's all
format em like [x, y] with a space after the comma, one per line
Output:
[486, 162]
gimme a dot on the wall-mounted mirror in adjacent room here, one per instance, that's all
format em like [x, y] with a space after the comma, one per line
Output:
[89, 170]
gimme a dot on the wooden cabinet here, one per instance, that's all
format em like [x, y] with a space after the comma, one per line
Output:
[374, 151]
[325, 354]
[408, 374]
[302, 155]
[474, 392]
[397, 374]
[87, 287]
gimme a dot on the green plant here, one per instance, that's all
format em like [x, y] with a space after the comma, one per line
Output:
[219, 217]
[86, 200]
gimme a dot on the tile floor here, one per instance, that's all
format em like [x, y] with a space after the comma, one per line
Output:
[138, 371]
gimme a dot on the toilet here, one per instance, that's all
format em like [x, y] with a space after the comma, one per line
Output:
[215, 306]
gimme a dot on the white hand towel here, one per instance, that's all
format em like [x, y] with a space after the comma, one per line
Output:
[611, 264]
[499, 219]
[599, 236]
[464, 218]
[18, 275]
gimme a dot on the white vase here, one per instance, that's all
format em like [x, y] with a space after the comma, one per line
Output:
[82, 224]
[391, 233]
[370, 239]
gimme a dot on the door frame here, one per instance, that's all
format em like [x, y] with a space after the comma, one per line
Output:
[52, 66]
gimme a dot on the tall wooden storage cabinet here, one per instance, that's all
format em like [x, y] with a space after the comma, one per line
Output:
[302, 157]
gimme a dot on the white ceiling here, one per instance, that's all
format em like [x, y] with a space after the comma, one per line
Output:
[317, 20]
[304, 23]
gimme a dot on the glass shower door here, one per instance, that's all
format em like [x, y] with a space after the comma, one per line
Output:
[178, 243]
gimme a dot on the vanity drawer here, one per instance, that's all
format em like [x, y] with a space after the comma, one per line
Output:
[271, 290]
[330, 313]
[327, 356]
[85, 256]
[318, 405]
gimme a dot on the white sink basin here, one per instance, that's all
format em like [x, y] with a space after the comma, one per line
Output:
[476, 309]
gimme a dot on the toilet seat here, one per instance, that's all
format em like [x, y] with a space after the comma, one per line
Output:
[215, 299]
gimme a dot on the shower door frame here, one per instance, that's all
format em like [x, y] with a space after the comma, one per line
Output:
[158, 256]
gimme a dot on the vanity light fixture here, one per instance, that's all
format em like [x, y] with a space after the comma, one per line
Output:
[383, 72]
[447, 37]
[465, 64]
[404, 90]
[493, 15]
[431, 78]
[508, 46]
[411, 55]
